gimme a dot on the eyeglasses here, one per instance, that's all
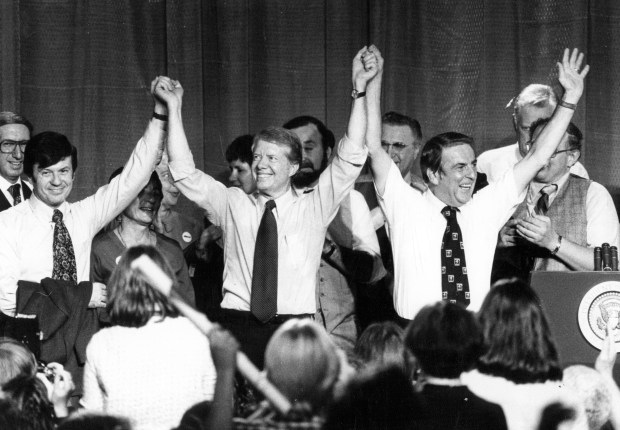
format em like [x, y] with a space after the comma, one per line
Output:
[8, 146]
[528, 146]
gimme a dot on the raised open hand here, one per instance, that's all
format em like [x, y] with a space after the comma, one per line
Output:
[570, 76]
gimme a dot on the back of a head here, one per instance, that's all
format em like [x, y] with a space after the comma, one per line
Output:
[16, 360]
[240, 149]
[445, 339]
[46, 149]
[30, 396]
[94, 421]
[327, 136]
[432, 150]
[395, 118]
[302, 362]
[519, 345]
[590, 387]
[132, 301]
[381, 345]
[374, 399]
[538, 95]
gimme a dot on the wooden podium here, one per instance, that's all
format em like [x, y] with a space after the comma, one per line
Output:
[568, 298]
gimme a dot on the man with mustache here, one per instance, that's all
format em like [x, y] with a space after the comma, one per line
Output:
[351, 250]
[14, 136]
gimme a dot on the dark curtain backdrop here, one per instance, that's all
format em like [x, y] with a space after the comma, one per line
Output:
[84, 67]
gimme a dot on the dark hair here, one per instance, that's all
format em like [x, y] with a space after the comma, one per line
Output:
[94, 421]
[7, 118]
[240, 149]
[30, 396]
[327, 137]
[10, 416]
[519, 345]
[373, 399]
[47, 149]
[431, 153]
[395, 118]
[281, 137]
[154, 179]
[381, 345]
[575, 137]
[445, 339]
[132, 300]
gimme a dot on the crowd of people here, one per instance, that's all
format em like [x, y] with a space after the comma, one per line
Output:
[371, 291]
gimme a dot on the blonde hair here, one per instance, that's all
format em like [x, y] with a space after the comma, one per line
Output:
[15, 360]
[302, 362]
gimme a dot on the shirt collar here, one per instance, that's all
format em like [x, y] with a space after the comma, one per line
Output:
[438, 205]
[4, 184]
[535, 187]
[282, 203]
[43, 211]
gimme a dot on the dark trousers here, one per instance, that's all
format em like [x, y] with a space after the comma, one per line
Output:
[252, 334]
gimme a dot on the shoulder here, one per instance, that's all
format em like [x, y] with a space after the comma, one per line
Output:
[168, 243]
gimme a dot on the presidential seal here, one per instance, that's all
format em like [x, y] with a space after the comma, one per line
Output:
[599, 308]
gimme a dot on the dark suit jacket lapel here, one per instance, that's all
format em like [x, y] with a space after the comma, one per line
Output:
[4, 203]
[26, 190]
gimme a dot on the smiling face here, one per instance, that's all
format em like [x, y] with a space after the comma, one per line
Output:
[12, 164]
[53, 184]
[241, 176]
[398, 141]
[144, 207]
[454, 182]
[272, 169]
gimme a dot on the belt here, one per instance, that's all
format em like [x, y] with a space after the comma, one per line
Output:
[277, 319]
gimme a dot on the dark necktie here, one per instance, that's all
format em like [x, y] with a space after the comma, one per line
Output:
[64, 257]
[264, 297]
[454, 282]
[17, 197]
[542, 205]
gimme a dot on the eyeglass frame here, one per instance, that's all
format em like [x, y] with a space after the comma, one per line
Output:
[529, 146]
[22, 145]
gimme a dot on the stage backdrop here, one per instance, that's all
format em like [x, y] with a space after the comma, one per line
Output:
[84, 67]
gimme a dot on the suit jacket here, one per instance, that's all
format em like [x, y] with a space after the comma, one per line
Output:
[5, 204]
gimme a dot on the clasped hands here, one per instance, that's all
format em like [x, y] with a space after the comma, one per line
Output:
[536, 229]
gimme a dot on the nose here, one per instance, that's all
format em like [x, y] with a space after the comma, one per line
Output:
[262, 162]
[56, 180]
[471, 171]
[232, 177]
[17, 152]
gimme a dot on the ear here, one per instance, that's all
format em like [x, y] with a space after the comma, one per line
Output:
[433, 177]
[573, 157]
[514, 121]
[328, 152]
[294, 168]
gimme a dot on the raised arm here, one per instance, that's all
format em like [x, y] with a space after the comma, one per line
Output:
[380, 161]
[548, 140]
[365, 68]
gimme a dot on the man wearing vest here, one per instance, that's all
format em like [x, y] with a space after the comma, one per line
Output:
[562, 217]
[14, 135]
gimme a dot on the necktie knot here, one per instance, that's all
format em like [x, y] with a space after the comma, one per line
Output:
[449, 212]
[542, 206]
[15, 193]
[57, 216]
[270, 204]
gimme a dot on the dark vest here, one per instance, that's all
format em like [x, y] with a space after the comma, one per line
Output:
[5, 204]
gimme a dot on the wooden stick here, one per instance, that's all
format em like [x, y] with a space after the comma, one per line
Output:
[162, 283]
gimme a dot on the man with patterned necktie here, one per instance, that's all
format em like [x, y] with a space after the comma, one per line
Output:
[48, 237]
[443, 240]
[561, 220]
[15, 133]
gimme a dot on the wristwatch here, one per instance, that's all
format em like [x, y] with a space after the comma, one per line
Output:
[357, 94]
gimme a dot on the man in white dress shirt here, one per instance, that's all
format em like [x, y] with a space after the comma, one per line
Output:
[15, 133]
[534, 102]
[418, 222]
[50, 160]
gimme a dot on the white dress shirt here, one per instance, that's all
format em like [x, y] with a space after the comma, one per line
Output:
[27, 229]
[302, 221]
[496, 162]
[417, 226]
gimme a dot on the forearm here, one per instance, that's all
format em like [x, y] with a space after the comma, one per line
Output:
[577, 257]
[379, 159]
[221, 411]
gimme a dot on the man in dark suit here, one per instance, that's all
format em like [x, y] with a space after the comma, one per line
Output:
[14, 135]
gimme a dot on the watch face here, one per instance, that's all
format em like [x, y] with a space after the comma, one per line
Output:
[354, 94]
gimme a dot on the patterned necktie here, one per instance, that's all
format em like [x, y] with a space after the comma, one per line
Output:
[17, 197]
[454, 282]
[64, 257]
[542, 205]
[264, 297]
